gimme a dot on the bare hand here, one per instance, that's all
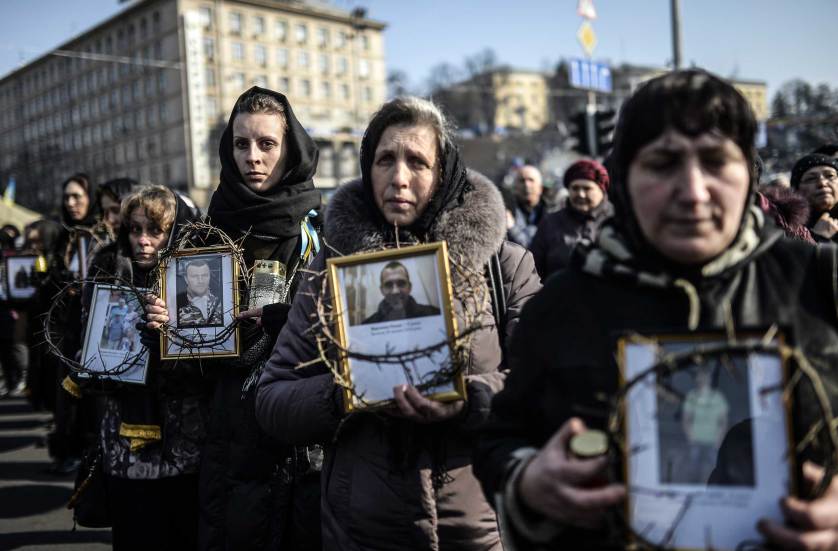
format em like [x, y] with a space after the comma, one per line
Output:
[826, 226]
[253, 313]
[810, 524]
[155, 311]
[562, 487]
[412, 405]
[510, 220]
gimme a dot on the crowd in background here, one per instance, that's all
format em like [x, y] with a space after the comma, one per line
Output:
[223, 462]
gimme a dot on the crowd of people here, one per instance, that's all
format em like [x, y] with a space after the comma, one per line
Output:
[256, 452]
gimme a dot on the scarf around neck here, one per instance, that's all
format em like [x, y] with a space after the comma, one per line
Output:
[611, 256]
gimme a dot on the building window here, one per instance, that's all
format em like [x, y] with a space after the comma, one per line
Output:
[305, 88]
[161, 82]
[282, 57]
[205, 17]
[365, 42]
[237, 80]
[149, 87]
[237, 51]
[261, 81]
[235, 23]
[281, 30]
[283, 85]
[340, 41]
[302, 33]
[260, 54]
[209, 76]
[136, 90]
[325, 90]
[363, 68]
[151, 116]
[302, 59]
[342, 66]
[209, 48]
[164, 112]
[258, 26]
[212, 107]
[323, 64]
[322, 37]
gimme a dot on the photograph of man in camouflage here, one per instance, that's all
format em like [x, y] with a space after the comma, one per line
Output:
[199, 304]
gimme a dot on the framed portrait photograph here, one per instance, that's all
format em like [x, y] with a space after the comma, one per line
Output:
[112, 347]
[388, 305]
[20, 276]
[200, 289]
[708, 445]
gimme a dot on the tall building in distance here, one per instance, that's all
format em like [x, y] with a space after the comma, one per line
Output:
[146, 93]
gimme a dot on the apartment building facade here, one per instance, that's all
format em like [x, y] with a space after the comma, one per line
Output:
[147, 93]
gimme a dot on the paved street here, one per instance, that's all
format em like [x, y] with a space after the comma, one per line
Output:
[33, 513]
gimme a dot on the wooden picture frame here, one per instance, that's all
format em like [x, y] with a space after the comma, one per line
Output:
[202, 328]
[388, 303]
[709, 447]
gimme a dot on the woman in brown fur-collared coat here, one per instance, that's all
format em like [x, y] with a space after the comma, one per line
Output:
[402, 480]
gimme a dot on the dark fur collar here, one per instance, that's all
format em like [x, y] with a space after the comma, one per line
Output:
[473, 231]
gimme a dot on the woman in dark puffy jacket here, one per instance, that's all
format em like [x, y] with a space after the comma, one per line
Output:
[688, 251]
[253, 489]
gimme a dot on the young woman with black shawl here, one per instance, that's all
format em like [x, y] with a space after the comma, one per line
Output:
[266, 196]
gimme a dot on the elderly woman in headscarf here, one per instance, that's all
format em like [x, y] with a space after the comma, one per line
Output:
[587, 207]
[267, 199]
[688, 251]
[402, 480]
[815, 177]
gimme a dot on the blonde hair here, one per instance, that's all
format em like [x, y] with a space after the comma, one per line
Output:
[158, 203]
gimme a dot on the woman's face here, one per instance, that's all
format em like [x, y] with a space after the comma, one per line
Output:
[688, 194]
[76, 201]
[110, 211]
[145, 237]
[584, 195]
[405, 172]
[259, 149]
[819, 185]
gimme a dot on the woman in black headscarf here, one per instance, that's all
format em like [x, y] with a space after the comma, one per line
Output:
[401, 478]
[267, 197]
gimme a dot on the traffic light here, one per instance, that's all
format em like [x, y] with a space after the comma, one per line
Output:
[593, 132]
[582, 131]
[605, 122]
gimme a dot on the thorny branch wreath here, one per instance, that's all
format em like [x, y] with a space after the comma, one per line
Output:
[470, 293]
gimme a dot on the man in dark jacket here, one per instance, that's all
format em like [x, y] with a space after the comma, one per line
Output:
[587, 207]
[687, 252]
[398, 304]
[529, 205]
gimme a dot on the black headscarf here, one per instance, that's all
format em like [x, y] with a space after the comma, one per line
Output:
[275, 214]
[89, 219]
[449, 194]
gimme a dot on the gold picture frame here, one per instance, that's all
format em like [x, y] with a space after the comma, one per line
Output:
[357, 284]
[185, 328]
[751, 384]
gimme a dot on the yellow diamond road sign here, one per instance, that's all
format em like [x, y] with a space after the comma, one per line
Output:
[587, 37]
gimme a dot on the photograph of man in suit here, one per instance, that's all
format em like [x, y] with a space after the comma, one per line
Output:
[198, 307]
[398, 304]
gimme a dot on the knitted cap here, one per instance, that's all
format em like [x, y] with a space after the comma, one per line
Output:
[807, 162]
[587, 169]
